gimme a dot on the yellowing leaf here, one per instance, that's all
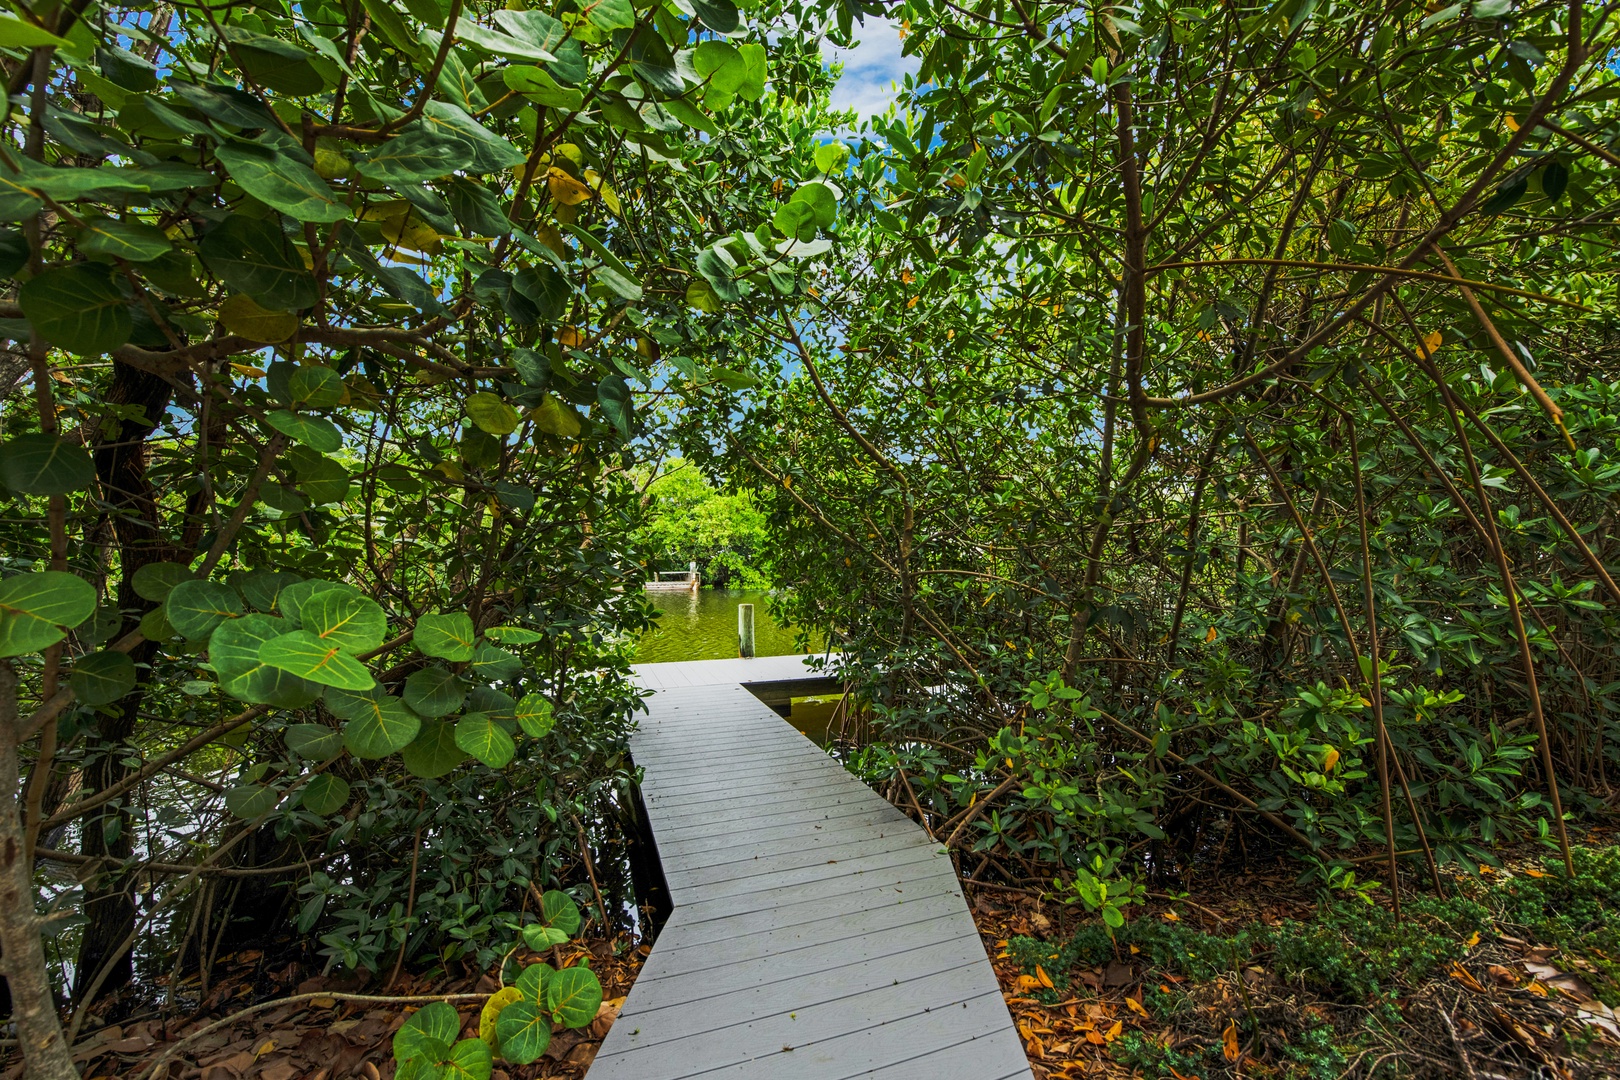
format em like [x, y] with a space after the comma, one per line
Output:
[248, 369]
[410, 231]
[549, 235]
[1136, 1006]
[1229, 1041]
[492, 1011]
[1473, 939]
[243, 316]
[565, 189]
[1210, 636]
[1511, 122]
[570, 337]
[1170, 916]
[1042, 977]
[610, 198]
[1330, 759]
[1431, 343]
[1113, 1033]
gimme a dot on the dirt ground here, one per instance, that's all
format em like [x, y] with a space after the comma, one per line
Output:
[1259, 979]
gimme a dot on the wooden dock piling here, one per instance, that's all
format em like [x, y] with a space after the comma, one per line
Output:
[745, 631]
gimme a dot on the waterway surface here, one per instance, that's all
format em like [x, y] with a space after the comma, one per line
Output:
[702, 625]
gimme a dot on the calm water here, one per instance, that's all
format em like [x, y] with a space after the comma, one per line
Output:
[703, 626]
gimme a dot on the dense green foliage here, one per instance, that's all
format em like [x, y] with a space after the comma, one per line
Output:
[1195, 426]
[688, 521]
[1189, 382]
[335, 328]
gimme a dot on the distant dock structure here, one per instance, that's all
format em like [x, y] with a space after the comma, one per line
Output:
[686, 580]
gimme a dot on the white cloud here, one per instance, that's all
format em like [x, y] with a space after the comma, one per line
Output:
[871, 68]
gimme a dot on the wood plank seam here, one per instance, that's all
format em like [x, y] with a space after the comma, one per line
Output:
[817, 932]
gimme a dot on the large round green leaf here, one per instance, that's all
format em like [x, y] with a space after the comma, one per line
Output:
[449, 637]
[493, 663]
[195, 608]
[485, 740]
[262, 588]
[470, 1059]
[353, 623]
[540, 938]
[313, 742]
[130, 240]
[253, 256]
[435, 691]
[573, 995]
[387, 726]
[438, 1023]
[314, 386]
[534, 715]
[290, 601]
[559, 912]
[102, 678]
[41, 464]
[531, 983]
[513, 635]
[78, 308]
[501, 706]
[233, 649]
[281, 181]
[315, 432]
[307, 656]
[523, 1030]
[319, 478]
[353, 704]
[37, 610]
[491, 414]
[613, 395]
[434, 752]
[325, 794]
[154, 581]
[251, 800]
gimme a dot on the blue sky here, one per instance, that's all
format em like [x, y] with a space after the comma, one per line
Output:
[871, 68]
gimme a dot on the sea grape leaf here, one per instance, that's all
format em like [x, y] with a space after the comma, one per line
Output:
[307, 656]
[446, 636]
[43, 464]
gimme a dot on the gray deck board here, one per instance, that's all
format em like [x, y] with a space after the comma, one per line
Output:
[817, 933]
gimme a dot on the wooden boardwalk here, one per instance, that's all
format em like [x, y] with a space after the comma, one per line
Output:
[817, 933]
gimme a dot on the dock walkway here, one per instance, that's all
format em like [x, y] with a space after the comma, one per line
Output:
[817, 933]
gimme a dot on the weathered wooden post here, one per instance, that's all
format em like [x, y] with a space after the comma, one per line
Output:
[745, 630]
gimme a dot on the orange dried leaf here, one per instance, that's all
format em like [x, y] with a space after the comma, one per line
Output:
[1229, 1041]
[1043, 978]
[1136, 1006]
[1113, 1033]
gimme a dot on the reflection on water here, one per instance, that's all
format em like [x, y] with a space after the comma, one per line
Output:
[702, 625]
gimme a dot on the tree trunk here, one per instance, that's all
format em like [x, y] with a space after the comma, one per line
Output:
[22, 953]
[109, 898]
